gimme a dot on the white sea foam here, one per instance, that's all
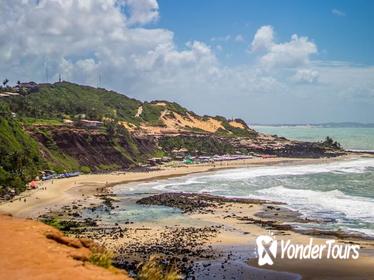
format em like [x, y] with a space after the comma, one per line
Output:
[176, 184]
[351, 166]
[310, 202]
[280, 183]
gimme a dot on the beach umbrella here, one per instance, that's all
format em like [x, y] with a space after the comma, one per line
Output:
[33, 184]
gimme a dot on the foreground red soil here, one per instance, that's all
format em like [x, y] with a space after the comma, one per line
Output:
[32, 250]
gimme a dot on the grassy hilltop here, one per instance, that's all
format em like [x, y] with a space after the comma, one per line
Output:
[51, 103]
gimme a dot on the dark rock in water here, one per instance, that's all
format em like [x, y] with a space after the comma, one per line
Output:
[76, 214]
[190, 203]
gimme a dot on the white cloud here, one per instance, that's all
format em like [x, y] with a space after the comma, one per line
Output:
[263, 38]
[337, 12]
[82, 39]
[345, 79]
[306, 76]
[294, 53]
[142, 11]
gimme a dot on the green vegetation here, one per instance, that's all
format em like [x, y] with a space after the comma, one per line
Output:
[53, 102]
[49, 104]
[108, 167]
[85, 169]
[172, 106]
[56, 101]
[108, 148]
[101, 257]
[55, 158]
[39, 114]
[60, 162]
[20, 159]
[156, 269]
[175, 107]
[235, 131]
[33, 121]
[63, 225]
[196, 145]
[329, 142]
[158, 153]
[119, 135]
[151, 113]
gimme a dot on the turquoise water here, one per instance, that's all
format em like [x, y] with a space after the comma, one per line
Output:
[350, 138]
[339, 194]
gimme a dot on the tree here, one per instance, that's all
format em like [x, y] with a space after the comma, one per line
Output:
[329, 142]
[5, 82]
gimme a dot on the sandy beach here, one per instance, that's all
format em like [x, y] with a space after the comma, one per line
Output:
[219, 239]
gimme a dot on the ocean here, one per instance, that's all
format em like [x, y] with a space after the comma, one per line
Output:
[353, 138]
[339, 195]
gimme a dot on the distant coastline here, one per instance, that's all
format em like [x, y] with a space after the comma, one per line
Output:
[325, 125]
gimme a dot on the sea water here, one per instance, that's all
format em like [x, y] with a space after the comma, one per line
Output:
[354, 138]
[339, 194]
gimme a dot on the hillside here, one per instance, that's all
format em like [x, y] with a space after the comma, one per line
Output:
[59, 101]
[20, 159]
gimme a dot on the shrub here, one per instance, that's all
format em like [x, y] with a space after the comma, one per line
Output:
[85, 169]
[101, 257]
[155, 269]
[329, 142]
[196, 145]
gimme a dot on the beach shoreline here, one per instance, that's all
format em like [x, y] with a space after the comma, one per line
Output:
[222, 227]
[53, 194]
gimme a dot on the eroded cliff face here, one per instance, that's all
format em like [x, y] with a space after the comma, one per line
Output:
[92, 148]
[71, 148]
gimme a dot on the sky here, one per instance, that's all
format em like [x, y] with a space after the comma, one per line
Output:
[262, 61]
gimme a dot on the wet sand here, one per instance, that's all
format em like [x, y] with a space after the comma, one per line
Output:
[326, 269]
[238, 235]
[217, 240]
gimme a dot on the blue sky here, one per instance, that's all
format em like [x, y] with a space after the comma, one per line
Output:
[262, 61]
[348, 37]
